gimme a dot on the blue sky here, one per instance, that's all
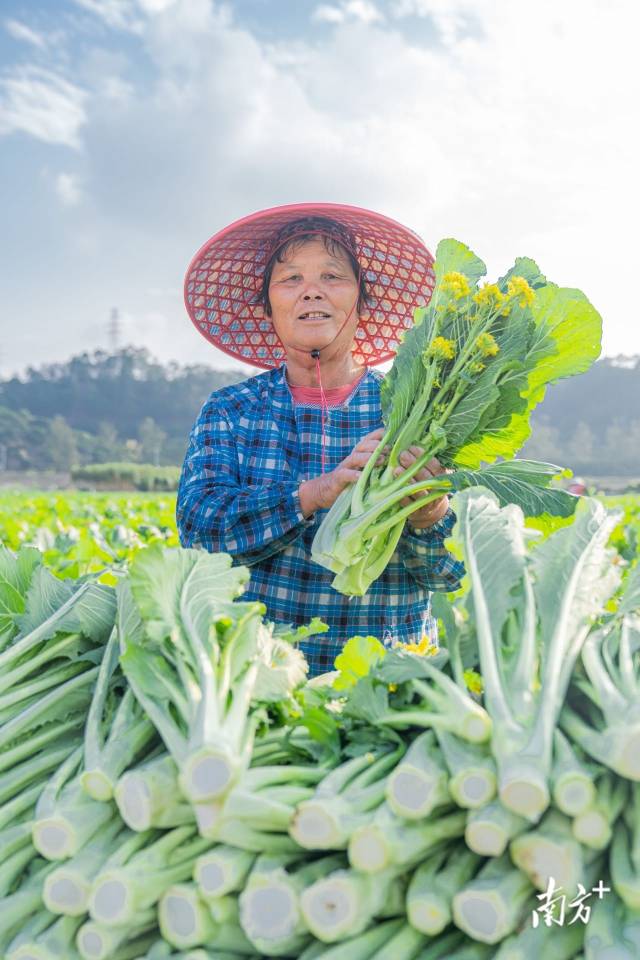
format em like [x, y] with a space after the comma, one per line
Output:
[131, 130]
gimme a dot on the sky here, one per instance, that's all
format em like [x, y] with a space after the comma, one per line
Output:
[133, 130]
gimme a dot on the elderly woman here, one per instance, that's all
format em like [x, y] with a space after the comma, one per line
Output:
[316, 294]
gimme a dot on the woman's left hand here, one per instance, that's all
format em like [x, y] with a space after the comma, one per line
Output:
[423, 517]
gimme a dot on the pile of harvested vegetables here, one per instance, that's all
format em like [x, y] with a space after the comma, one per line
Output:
[172, 786]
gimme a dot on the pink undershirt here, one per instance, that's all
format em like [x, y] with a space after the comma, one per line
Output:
[335, 397]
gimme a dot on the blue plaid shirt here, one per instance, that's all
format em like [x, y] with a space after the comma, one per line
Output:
[249, 450]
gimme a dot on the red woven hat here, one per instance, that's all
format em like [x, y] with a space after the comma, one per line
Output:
[222, 287]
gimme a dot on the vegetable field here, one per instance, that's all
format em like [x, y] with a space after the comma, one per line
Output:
[81, 533]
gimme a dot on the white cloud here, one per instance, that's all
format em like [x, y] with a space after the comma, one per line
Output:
[117, 14]
[127, 15]
[20, 31]
[42, 104]
[360, 10]
[68, 189]
[450, 17]
[518, 138]
[328, 14]
[153, 7]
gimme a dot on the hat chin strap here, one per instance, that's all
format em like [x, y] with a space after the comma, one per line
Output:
[315, 353]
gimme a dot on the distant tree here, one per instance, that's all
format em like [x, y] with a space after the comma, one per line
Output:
[620, 448]
[581, 448]
[108, 448]
[122, 388]
[14, 433]
[152, 439]
[543, 444]
[589, 423]
[63, 451]
[24, 440]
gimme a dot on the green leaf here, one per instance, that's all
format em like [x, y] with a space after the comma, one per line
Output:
[402, 391]
[59, 606]
[368, 701]
[400, 665]
[157, 690]
[401, 388]
[454, 256]
[358, 656]
[630, 602]
[574, 575]
[525, 483]
[491, 543]
[566, 342]
[566, 317]
[296, 634]
[163, 580]
[528, 269]
[16, 572]
[323, 727]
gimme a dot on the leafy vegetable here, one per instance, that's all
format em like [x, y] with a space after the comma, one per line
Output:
[462, 387]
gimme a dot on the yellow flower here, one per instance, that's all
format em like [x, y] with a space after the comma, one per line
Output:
[489, 296]
[441, 349]
[473, 681]
[456, 284]
[487, 345]
[392, 687]
[518, 287]
[477, 367]
[425, 647]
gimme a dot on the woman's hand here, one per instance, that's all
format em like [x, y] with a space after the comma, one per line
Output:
[322, 492]
[423, 517]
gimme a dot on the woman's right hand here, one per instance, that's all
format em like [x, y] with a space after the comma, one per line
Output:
[321, 492]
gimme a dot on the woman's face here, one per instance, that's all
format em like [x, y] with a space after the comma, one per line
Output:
[311, 294]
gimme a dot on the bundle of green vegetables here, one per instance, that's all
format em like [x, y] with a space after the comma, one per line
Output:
[462, 387]
[189, 794]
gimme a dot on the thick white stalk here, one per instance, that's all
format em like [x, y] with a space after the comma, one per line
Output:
[389, 842]
[489, 829]
[75, 820]
[148, 796]
[186, 922]
[222, 870]
[550, 851]
[572, 783]
[420, 781]
[68, 886]
[98, 941]
[344, 903]
[433, 886]
[490, 907]
[270, 911]
[118, 894]
[52, 944]
[472, 771]
[184, 918]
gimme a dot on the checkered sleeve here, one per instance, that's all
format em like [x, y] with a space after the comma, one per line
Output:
[216, 513]
[426, 558]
